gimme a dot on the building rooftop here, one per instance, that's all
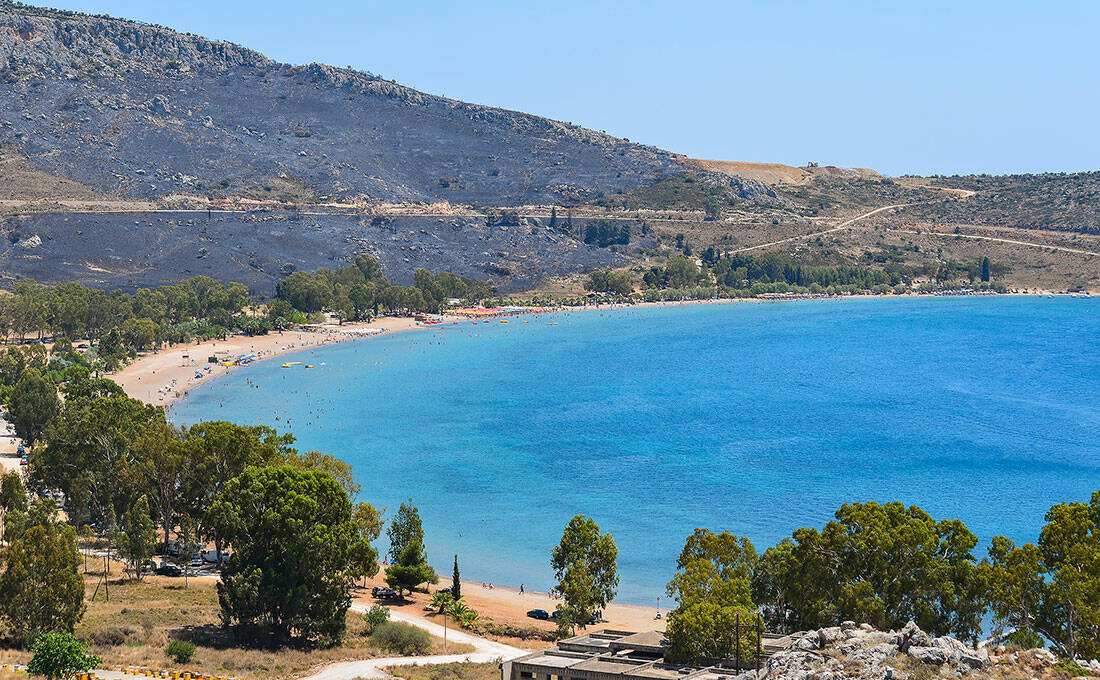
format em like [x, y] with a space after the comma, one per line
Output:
[620, 655]
[652, 641]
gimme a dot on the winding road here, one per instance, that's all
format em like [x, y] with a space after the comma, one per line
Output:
[1042, 246]
[485, 651]
[839, 227]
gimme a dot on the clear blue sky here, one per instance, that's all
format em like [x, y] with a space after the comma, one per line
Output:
[922, 87]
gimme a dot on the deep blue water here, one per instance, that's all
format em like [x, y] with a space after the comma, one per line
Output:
[756, 418]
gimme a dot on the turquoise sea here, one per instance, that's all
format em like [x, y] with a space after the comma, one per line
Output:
[756, 418]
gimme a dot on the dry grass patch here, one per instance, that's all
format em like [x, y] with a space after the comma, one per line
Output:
[20, 180]
[142, 617]
[448, 671]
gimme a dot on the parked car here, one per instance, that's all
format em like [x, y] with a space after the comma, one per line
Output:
[540, 614]
[383, 593]
[211, 556]
[591, 621]
[196, 561]
[169, 570]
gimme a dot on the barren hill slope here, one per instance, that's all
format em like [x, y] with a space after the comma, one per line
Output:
[133, 155]
[142, 111]
[769, 173]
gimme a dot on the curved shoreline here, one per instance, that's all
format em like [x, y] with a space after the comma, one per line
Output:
[165, 377]
[836, 313]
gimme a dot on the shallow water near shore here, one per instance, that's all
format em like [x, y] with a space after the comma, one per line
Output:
[756, 418]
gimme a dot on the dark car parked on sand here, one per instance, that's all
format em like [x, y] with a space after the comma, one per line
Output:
[593, 620]
[383, 593]
[540, 614]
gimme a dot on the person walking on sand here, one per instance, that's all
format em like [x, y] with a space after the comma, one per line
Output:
[521, 589]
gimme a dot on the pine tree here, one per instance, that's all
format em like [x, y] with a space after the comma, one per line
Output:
[410, 569]
[41, 589]
[554, 217]
[138, 539]
[405, 528]
[456, 584]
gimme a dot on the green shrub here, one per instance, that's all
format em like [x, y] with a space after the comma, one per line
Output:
[1025, 639]
[180, 651]
[488, 626]
[1072, 668]
[402, 639]
[376, 617]
[60, 655]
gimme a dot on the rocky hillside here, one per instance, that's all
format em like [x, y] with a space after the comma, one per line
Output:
[1068, 202]
[134, 155]
[851, 651]
[260, 248]
[135, 110]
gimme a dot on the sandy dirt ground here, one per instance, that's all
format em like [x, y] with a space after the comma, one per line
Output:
[506, 605]
[163, 377]
[9, 447]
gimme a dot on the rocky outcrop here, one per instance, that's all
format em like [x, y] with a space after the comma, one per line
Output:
[860, 651]
[68, 44]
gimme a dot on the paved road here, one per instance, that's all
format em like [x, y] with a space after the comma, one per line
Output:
[485, 651]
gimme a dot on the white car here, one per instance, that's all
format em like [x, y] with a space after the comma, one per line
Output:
[211, 556]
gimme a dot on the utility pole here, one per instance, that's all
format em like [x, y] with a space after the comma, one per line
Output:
[759, 644]
[737, 640]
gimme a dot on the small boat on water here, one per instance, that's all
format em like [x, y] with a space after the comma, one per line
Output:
[291, 364]
[504, 320]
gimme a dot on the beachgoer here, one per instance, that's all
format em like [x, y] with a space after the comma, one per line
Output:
[521, 589]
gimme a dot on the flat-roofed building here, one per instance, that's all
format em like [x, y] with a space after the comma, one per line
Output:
[620, 655]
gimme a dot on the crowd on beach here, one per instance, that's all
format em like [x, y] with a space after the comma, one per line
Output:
[185, 367]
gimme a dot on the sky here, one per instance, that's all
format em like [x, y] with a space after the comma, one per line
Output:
[902, 87]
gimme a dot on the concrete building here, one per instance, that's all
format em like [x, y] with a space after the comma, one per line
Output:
[620, 655]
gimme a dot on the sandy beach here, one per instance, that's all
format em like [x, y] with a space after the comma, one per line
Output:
[508, 606]
[163, 377]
